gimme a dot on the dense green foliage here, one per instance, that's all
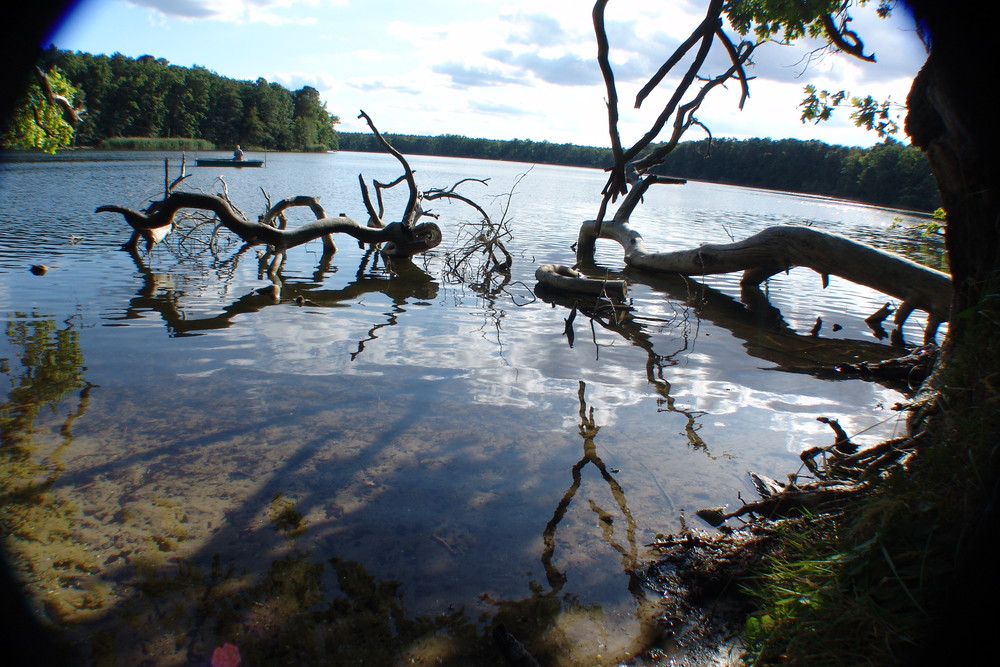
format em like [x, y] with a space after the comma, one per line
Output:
[36, 122]
[450, 145]
[156, 144]
[149, 97]
[888, 174]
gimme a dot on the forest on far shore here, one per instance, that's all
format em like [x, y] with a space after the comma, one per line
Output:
[888, 174]
[148, 97]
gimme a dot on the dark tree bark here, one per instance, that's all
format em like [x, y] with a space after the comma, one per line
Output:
[952, 120]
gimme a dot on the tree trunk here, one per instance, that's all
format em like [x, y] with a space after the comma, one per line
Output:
[952, 118]
[780, 248]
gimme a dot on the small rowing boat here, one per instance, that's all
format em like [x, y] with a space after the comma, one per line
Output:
[227, 162]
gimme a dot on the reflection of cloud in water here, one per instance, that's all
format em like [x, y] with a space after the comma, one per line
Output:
[310, 342]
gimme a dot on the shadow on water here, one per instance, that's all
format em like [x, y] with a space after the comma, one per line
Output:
[294, 603]
[299, 607]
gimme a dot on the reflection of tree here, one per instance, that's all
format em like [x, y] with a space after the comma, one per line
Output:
[38, 525]
[762, 328]
[623, 321]
[588, 430]
[756, 322]
[400, 280]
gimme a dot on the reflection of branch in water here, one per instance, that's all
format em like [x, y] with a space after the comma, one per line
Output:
[622, 320]
[393, 318]
[588, 430]
[401, 280]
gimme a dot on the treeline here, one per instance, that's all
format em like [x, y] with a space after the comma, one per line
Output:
[452, 145]
[149, 97]
[888, 174]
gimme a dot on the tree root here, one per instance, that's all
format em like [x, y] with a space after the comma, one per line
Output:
[844, 474]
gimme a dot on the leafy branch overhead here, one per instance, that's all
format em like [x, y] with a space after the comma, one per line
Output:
[869, 113]
[788, 20]
[47, 114]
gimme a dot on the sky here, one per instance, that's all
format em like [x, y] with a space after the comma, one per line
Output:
[498, 69]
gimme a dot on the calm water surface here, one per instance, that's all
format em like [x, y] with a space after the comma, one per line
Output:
[394, 464]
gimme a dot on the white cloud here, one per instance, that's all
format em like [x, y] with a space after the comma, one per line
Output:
[251, 11]
[503, 69]
[296, 80]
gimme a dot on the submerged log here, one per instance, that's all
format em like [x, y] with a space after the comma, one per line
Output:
[781, 248]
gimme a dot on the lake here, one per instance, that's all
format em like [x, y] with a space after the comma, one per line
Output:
[380, 465]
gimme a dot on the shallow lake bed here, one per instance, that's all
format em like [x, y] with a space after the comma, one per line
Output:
[191, 462]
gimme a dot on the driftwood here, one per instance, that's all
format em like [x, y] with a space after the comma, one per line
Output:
[156, 222]
[567, 280]
[845, 474]
[781, 504]
[781, 248]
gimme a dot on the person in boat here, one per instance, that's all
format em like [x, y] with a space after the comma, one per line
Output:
[238, 153]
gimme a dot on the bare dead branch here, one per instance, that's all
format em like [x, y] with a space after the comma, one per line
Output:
[844, 38]
[634, 196]
[738, 58]
[444, 194]
[707, 37]
[374, 217]
[399, 240]
[684, 117]
[380, 186]
[709, 24]
[181, 177]
[312, 203]
[410, 214]
[603, 60]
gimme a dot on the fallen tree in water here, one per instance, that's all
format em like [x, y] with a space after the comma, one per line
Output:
[765, 254]
[769, 252]
[153, 224]
[401, 239]
[781, 248]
